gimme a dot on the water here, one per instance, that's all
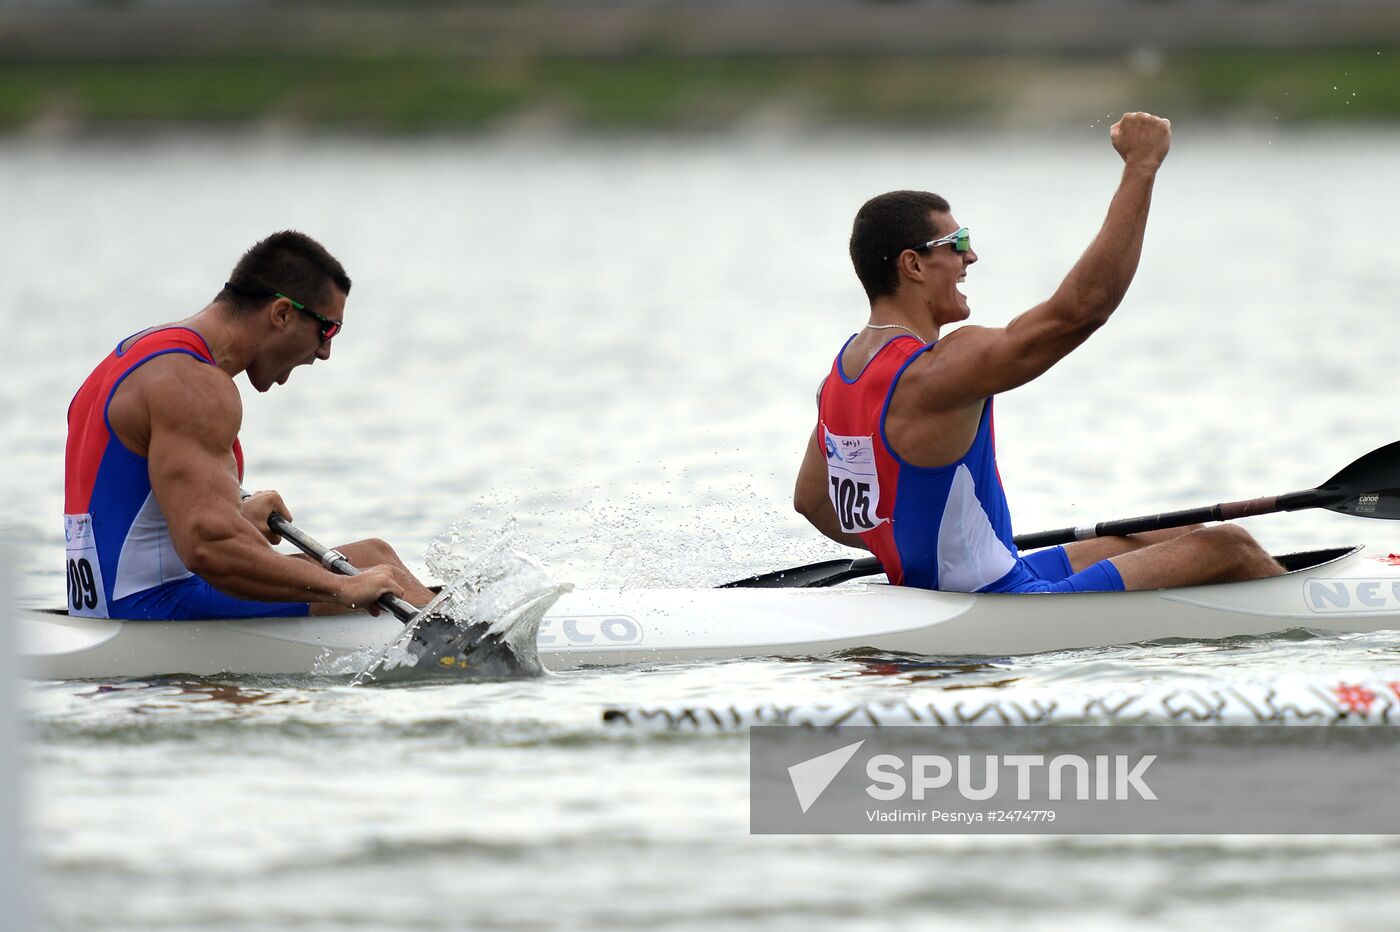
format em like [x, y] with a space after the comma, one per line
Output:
[616, 344]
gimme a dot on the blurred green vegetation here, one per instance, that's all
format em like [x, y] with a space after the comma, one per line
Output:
[1306, 87]
[642, 92]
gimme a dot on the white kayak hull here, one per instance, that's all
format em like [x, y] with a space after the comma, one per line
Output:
[1331, 591]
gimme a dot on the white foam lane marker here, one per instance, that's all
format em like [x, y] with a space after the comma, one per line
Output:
[1370, 700]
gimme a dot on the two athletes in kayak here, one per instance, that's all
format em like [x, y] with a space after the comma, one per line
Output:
[155, 519]
[902, 461]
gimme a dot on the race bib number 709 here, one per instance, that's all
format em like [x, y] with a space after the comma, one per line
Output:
[86, 595]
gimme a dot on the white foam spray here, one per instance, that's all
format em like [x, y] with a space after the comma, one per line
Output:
[501, 591]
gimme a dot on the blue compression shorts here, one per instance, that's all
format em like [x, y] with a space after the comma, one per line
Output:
[1049, 571]
[193, 599]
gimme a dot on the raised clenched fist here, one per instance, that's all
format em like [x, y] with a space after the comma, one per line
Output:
[1142, 137]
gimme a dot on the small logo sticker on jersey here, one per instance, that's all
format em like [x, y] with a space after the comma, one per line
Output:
[856, 450]
[855, 483]
[77, 529]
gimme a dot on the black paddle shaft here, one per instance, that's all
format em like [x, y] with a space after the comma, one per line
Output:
[335, 561]
[835, 572]
[1368, 488]
[1226, 511]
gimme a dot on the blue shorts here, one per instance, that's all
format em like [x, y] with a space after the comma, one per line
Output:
[193, 599]
[1049, 571]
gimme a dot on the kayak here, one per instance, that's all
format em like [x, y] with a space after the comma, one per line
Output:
[1330, 591]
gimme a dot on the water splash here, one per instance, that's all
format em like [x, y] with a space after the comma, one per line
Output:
[489, 613]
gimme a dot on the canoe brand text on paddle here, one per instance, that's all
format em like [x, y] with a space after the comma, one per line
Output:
[1325, 596]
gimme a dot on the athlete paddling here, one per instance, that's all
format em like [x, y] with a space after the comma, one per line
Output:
[903, 460]
[155, 521]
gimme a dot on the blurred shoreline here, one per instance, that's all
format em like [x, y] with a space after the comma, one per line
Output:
[692, 66]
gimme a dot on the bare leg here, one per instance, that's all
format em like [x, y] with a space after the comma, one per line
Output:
[1222, 553]
[1086, 553]
[375, 552]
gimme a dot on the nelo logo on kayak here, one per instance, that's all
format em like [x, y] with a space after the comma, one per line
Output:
[1325, 596]
[590, 631]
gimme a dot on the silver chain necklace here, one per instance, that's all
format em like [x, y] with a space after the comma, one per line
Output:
[895, 327]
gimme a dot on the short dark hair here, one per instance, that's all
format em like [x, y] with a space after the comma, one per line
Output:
[288, 262]
[886, 226]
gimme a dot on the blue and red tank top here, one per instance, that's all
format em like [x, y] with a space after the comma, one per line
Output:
[946, 527]
[118, 540]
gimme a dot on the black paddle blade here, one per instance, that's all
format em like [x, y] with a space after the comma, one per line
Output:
[811, 576]
[438, 648]
[1371, 485]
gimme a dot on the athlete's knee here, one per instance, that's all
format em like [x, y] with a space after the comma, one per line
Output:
[1235, 544]
[1158, 537]
[1242, 538]
[373, 551]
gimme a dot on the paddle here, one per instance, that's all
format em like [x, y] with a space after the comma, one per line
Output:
[438, 645]
[1368, 488]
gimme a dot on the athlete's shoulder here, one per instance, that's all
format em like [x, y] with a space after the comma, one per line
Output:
[165, 338]
[964, 335]
[967, 345]
[936, 380]
[188, 378]
[179, 387]
[174, 392]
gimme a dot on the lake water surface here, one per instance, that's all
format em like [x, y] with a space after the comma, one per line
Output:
[615, 344]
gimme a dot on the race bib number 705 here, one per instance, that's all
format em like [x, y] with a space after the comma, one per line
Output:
[854, 484]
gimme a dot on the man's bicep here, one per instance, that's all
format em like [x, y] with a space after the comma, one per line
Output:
[189, 460]
[189, 475]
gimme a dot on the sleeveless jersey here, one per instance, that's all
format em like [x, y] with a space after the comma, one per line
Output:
[935, 528]
[118, 541]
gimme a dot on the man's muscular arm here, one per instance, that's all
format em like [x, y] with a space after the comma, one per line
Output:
[810, 497]
[973, 363]
[194, 417]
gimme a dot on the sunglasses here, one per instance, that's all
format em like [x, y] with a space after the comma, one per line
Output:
[329, 328]
[960, 239]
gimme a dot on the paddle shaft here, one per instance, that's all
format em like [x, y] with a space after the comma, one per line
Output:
[1369, 487]
[335, 561]
[1323, 497]
[1226, 511]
